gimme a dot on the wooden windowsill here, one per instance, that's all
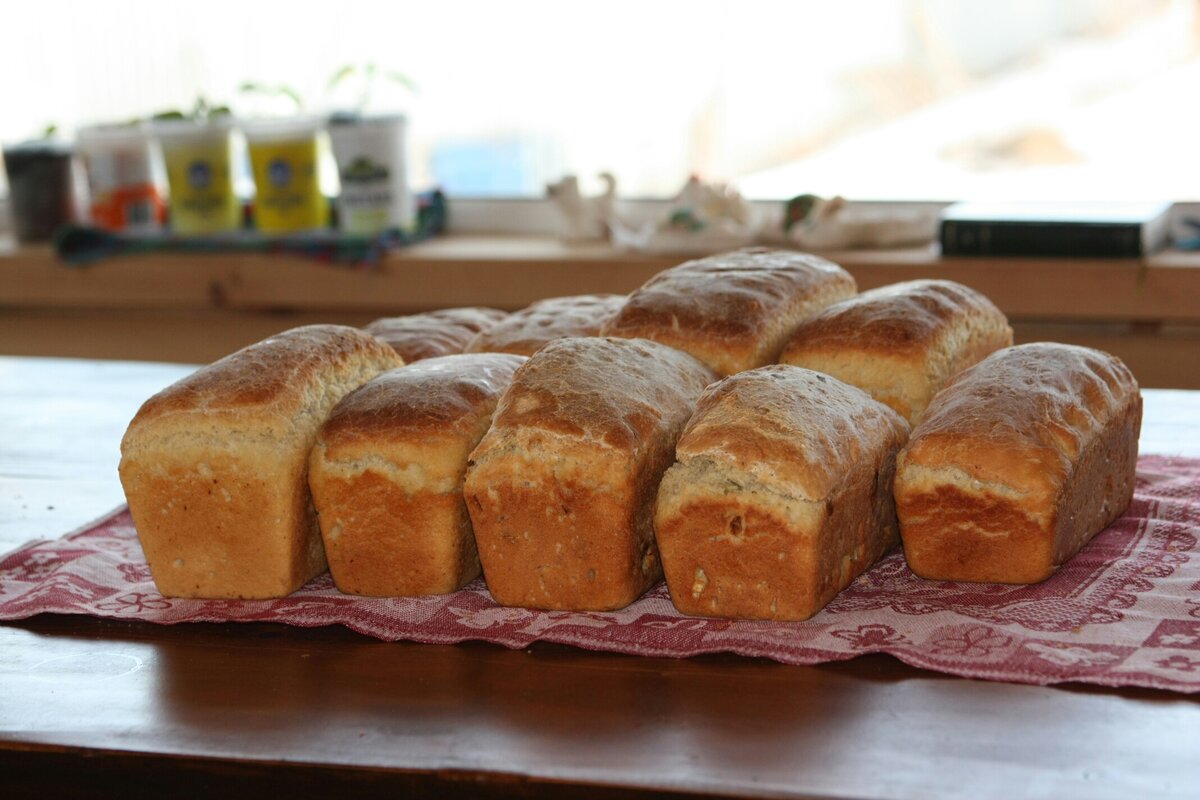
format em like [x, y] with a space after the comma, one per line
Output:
[198, 307]
[511, 271]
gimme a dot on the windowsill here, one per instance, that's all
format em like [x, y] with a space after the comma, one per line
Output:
[512, 270]
[198, 307]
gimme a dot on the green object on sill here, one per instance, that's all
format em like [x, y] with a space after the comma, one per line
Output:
[1191, 242]
[201, 111]
[685, 219]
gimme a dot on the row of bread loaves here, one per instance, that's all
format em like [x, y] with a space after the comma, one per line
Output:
[899, 343]
[214, 467]
[781, 489]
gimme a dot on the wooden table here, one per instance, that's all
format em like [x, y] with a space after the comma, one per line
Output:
[93, 707]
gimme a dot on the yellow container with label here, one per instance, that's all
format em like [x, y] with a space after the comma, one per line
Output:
[199, 161]
[284, 155]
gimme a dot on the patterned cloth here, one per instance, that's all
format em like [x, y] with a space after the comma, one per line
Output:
[1124, 612]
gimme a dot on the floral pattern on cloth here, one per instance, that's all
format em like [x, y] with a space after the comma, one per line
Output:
[1124, 612]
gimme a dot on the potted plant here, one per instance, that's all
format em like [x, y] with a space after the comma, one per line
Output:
[199, 157]
[371, 154]
[285, 156]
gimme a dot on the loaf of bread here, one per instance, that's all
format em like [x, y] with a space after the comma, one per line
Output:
[780, 496]
[561, 489]
[214, 467]
[434, 333]
[901, 343]
[387, 474]
[1017, 463]
[524, 332]
[733, 311]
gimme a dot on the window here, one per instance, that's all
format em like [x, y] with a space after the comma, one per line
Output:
[872, 99]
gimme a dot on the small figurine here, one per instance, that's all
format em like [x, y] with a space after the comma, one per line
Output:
[702, 218]
[815, 223]
[712, 205]
[585, 218]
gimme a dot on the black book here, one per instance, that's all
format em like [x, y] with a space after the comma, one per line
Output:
[1081, 230]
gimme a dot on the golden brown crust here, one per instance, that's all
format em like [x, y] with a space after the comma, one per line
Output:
[556, 542]
[270, 377]
[225, 527]
[1017, 463]
[387, 473]
[909, 316]
[214, 466]
[385, 542]
[561, 489]
[780, 497]
[435, 398]
[901, 343]
[617, 393]
[524, 332]
[788, 427]
[434, 333]
[732, 311]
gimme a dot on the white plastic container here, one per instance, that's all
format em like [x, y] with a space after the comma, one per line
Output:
[372, 167]
[122, 178]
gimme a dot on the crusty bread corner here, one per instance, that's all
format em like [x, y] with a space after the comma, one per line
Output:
[387, 473]
[901, 343]
[561, 489]
[434, 333]
[780, 495]
[214, 466]
[732, 311]
[1017, 463]
[524, 332]
[417, 424]
[285, 383]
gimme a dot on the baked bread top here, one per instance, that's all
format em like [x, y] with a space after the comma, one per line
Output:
[902, 342]
[524, 332]
[1017, 420]
[904, 317]
[434, 333]
[272, 389]
[431, 399]
[617, 394]
[735, 310]
[417, 424]
[795, 431]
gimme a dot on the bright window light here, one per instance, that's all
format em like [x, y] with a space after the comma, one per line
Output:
[870, 99]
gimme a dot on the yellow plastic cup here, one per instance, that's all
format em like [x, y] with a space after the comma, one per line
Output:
[284, 156]
[199, 162]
